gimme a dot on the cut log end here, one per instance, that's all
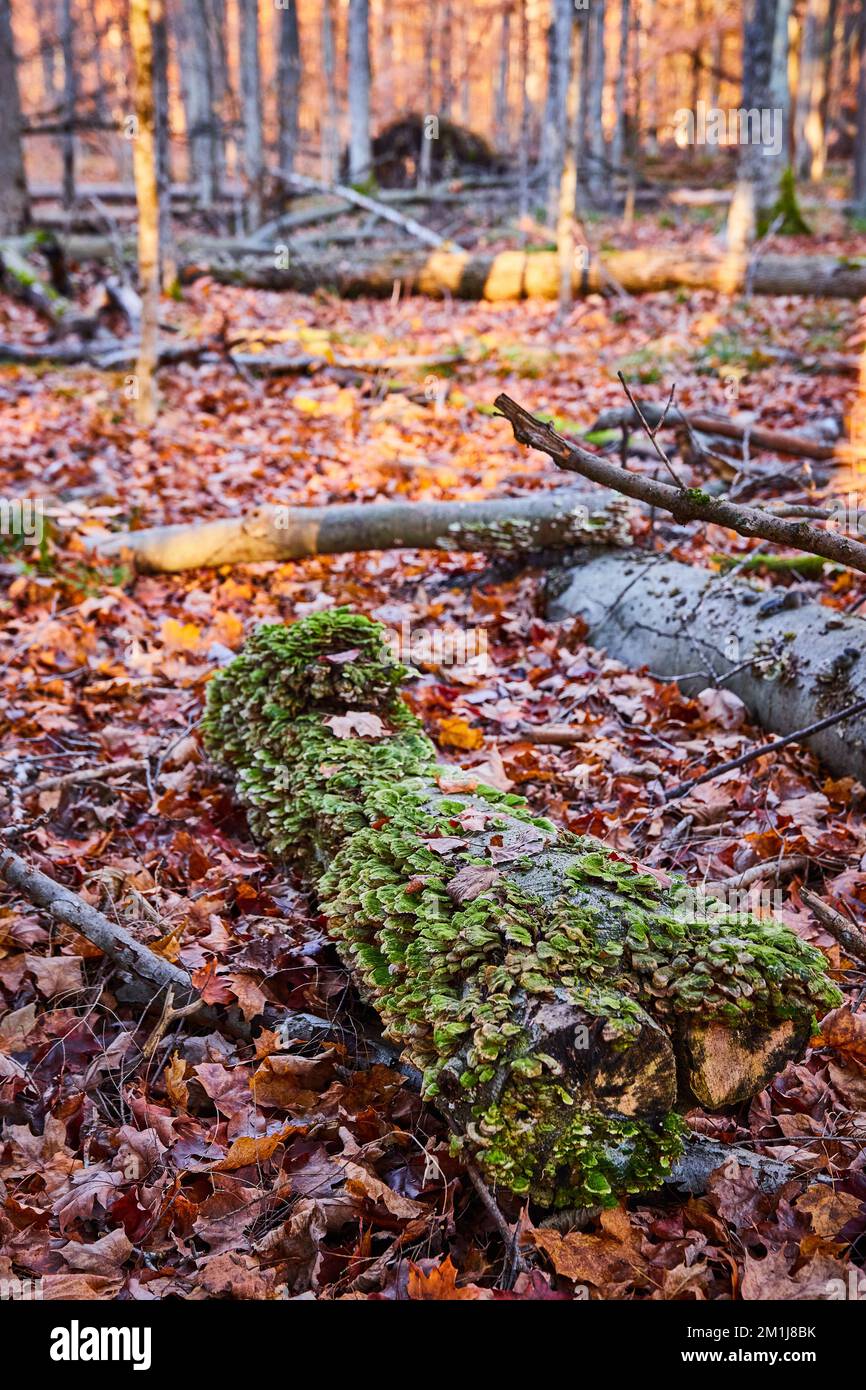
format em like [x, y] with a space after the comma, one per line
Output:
[725, 1067]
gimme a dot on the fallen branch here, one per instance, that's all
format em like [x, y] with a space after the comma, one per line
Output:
[684, 504]
[91, 774]
[544, 520]
[798, 735]
[362, 200]
[848, 934]
[657, 416]
[153, 973]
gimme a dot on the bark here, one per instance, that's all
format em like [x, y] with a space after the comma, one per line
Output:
[360, 149]
[147, 198]
[523, 143]
[500, 109]
[561, 1005]
[504, 526]
[425, 153]
[330, 135]
[288, 84]
[14, 203]
[251, 97]
[791, 666]
[565, 247]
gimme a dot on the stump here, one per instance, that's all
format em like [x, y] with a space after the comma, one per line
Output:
[562, 1003]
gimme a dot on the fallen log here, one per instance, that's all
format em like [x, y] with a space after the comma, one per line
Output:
[561, 1004]
[791, 663]
[507, 275]
[504, 526]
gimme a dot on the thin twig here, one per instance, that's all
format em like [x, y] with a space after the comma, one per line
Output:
[753, 753]
[848, 934]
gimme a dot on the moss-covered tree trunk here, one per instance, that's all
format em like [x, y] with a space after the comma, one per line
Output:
[561, 1002]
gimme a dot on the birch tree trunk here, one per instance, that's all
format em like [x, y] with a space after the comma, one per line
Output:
[251, 98]
[559, 87]
[425, 153]
[288, 84]
[147, 199]
[360, 150]
[14, 202]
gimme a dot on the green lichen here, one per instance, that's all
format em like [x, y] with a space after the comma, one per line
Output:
[458, 968]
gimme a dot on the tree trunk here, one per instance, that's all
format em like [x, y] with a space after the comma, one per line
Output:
[429, 130]
[251, 97]
[14, 203]
[619, 130]
[330, 133]
[360, 149]
[515, 275]
[561, 1004]
[568, 182]
[759, 174]
[500, 107]
[198, 98]
[67, 43]
[523, 144]
[288, 84]
[167, 249]
[809, 140]
[147, 199]
[559, 79]
[860, 141]
[791, 666]
[597, 180]
[502, 526]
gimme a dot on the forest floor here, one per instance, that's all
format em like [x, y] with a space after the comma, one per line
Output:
[172, 1176]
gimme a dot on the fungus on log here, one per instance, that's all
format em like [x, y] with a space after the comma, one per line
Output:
[560, 1001]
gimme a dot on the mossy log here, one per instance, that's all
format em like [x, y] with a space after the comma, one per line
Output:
[561, 1003]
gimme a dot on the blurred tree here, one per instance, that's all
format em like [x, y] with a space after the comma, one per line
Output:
[14, 203]
[288, 84]
[191, 22]
[360, 152]
[251, 99]
[809, 140]
[147, 199]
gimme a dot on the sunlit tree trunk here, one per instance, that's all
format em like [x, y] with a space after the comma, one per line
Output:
[446, 66]
[810, 137]
[360, 152]
[618, 145]
[222, 97]
[14, 204]
[288, 84]
[147, 199]
[251, 98]
[67, 43]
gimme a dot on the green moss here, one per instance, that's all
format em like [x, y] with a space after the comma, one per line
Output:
[457, 976]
